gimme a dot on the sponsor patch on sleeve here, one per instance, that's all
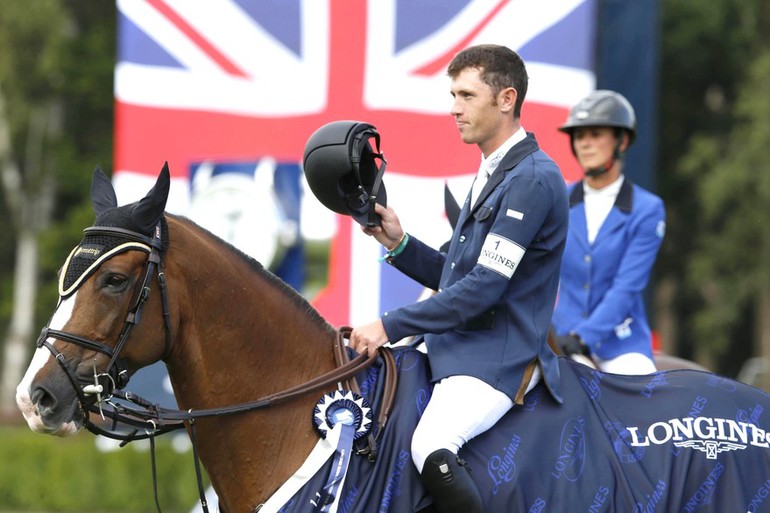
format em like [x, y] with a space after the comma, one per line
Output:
[500, 255]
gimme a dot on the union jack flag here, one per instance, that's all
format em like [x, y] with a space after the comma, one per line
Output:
[243, 80]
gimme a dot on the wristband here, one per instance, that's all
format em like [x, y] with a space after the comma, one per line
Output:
[396, 250]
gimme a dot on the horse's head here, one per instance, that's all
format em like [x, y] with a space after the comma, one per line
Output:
[94, 342]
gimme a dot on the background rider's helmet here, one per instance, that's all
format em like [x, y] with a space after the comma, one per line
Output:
[340, 168]
[602, 108]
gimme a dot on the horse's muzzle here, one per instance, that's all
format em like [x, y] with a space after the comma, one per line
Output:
[48, 410]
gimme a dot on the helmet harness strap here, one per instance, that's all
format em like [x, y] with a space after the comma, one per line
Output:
[361, 141]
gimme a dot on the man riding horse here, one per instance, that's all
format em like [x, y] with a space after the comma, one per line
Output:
[485, 329]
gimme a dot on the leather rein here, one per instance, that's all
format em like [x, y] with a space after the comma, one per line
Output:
[149, 420]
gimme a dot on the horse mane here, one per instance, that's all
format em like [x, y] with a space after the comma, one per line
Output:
[295, 297]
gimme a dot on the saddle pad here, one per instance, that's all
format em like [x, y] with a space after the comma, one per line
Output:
[390, 483]
[674, 441]
[680, 440]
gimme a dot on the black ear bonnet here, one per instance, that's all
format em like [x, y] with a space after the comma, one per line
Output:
[134, 224]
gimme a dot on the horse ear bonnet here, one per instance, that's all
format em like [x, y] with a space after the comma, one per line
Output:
[140, 217]
[339, 165]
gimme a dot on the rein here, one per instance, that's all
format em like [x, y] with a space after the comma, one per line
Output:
[155, 420]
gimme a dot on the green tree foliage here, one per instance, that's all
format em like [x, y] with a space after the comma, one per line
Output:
[59, 51]
[89, 67]
[45, 473]
[33, 42]
[714, 94]
[730, 267]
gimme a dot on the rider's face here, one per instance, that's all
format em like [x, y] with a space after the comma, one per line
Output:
[593, 145]
[477, 111]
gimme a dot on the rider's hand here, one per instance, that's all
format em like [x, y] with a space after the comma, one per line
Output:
[389, 233]
[571, 344]
[368, 338]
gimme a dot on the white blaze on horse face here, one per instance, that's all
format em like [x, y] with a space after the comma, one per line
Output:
[39, 359]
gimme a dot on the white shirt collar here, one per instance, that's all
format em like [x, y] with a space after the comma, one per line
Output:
[610, 190]
[598, 204]
[490, 163]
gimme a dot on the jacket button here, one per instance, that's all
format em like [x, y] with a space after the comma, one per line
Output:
[452, 266]
[586, 286]
[462, 238]
[587, 259]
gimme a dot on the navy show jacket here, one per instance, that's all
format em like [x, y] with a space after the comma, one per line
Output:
[491, 321]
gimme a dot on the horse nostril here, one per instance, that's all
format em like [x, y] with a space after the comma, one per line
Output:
[44, 400]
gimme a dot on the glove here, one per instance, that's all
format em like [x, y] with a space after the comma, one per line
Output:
[572, 344]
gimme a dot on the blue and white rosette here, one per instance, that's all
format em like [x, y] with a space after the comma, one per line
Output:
[346, 407]
[352, 415]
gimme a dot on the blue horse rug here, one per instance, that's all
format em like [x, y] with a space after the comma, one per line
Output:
[674, 441]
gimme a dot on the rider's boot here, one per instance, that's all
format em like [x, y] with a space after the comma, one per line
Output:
[448, 480]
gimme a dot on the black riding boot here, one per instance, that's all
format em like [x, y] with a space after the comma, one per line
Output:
[448, 480]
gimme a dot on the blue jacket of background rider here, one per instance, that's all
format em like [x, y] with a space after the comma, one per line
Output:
[601, 296]
[496, 285]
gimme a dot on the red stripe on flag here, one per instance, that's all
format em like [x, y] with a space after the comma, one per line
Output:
[347, 55]
[440, 64]
[226, 64]
[414, 144]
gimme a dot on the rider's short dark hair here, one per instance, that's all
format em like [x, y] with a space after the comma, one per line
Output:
[500, 68]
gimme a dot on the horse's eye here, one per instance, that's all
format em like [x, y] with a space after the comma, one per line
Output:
[116, 280]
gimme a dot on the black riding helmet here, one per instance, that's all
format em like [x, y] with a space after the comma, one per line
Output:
[340, 168]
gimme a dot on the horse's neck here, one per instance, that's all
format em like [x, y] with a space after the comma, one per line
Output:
[234, 316]
[240, 337]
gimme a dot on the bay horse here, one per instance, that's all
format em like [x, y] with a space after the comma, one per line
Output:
[240, 345]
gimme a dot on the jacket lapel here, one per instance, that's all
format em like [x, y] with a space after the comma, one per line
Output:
[514, 156]
[619, 213]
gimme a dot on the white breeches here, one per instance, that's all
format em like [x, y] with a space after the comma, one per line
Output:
[460, 408]
[629, 364]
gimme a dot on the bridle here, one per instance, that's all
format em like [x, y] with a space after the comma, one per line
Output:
[149, 420]
[115, 376]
